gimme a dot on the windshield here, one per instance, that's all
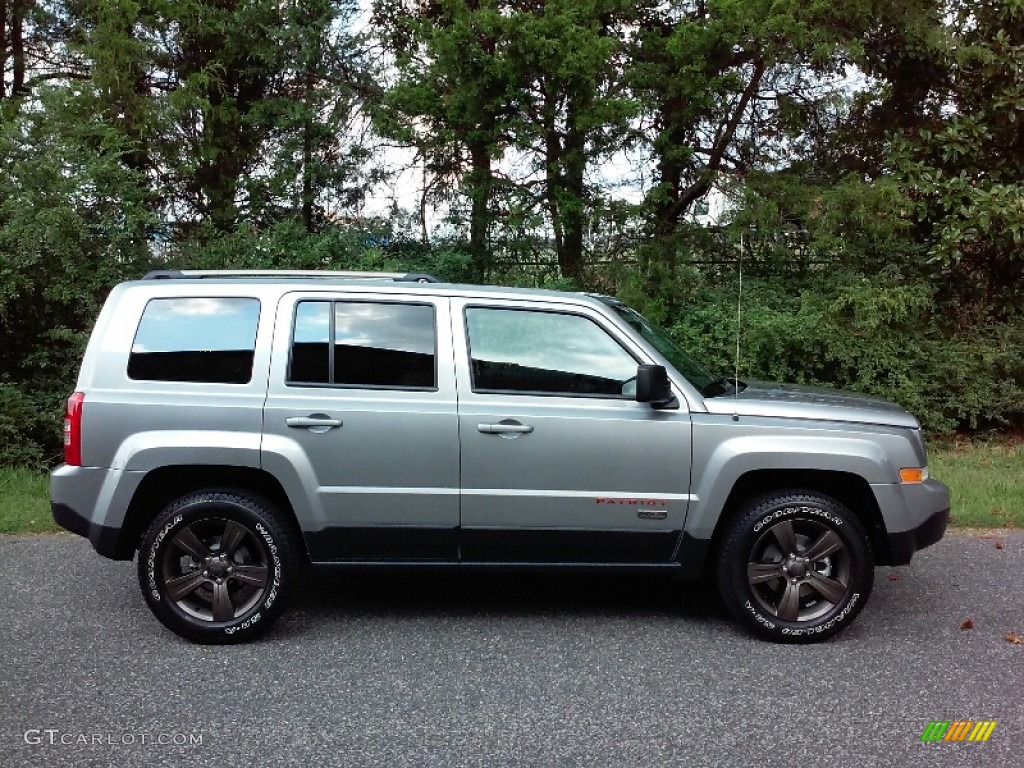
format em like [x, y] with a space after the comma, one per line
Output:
[707, 384]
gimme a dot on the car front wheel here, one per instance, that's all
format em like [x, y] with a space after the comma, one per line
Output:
[795, 566]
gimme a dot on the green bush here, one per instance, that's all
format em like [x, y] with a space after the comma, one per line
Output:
[25, 432]
[877, 335]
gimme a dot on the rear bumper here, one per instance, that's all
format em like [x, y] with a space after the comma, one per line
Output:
[104, 539]
[91, 501]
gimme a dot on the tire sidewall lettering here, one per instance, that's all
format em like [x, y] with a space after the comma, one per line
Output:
[262, 532]
[759, 617]
[154, 549]
[835, 620]
[789, 511]
[276, 559]
[244, 625]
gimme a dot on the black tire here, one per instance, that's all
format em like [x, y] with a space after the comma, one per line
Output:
[218, 566]
[795, 566]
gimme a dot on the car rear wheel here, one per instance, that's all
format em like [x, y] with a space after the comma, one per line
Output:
[218, 566]
[795, 566]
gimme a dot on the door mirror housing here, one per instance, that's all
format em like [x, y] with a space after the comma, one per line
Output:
[653, 387]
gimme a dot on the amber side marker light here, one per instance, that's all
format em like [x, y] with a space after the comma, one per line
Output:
[913, 474]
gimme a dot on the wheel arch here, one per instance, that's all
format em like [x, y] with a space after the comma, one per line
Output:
[849, 489]
[163, 485]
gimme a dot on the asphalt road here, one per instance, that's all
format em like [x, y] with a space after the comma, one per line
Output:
[465, 670]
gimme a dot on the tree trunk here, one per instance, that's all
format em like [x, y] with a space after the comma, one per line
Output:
[18, 13]
[311, 180]
[218, 176]
[553, 170]
[553, 185]
[307, 179]
[219, 184]
[480, 181]
[3, 48]
[424, 192]
[670, 169]
[574, 163]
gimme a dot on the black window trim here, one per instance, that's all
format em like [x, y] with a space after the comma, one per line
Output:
[331, 302]
[538, 393]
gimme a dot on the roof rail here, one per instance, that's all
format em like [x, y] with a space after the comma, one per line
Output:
[189, 274]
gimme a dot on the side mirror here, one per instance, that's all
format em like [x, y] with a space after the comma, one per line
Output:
[653, 386]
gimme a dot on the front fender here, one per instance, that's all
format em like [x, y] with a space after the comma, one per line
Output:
[716, 473]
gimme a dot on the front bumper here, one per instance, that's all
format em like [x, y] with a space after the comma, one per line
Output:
[916, 516]
[904, 544]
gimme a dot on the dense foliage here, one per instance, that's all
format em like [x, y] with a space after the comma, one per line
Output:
[862, 161]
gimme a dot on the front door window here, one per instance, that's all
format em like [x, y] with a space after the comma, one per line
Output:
[546, 353]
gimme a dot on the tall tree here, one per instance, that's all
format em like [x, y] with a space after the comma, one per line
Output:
[485, 86]
[32, 34]
[904, 58]
[19, 12]
[919, 168]
[729, 88]
[310, 158]
[574, 108]
[961, 170]
[235, 110]
[452, 98]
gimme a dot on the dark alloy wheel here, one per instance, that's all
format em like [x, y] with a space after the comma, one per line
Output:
[217, 566]
[795, 566]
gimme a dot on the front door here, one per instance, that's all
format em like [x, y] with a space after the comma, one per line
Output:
[559, 462]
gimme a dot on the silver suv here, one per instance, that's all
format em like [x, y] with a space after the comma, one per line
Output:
[234, 427]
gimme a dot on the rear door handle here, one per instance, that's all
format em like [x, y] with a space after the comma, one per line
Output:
[317, 422]
[503, 429]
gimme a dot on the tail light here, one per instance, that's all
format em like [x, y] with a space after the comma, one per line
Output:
[73, 430]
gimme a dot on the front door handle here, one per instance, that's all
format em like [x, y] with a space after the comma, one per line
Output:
[505, 428]
[316, 422]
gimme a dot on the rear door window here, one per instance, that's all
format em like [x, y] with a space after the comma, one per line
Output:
[375, 344]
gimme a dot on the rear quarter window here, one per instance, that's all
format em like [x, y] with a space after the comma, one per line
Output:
[201, 339]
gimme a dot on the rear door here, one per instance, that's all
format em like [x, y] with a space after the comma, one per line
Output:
[559, 462]
[361, 403]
